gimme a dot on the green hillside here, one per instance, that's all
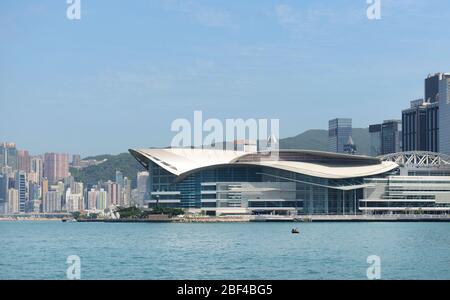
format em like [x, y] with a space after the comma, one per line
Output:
[314, 139]
[317, 139]
[107, 171]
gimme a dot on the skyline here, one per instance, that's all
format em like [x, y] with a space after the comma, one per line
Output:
[129, 79]
[224, 147]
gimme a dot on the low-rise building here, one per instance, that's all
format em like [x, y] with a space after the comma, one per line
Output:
[406, 194]
[421, 185]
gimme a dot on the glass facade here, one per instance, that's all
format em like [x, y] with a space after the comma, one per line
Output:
[3, 188]
[407, 194]
[444, 116]
[391, 137]
[254, 188]
[8, 155]
[339, 132]
[375, 139]
[22, 189]
[420, 126]
[432, 87]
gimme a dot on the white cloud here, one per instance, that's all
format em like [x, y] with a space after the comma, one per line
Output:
[319, 23]
[302, 21]
[203, 15]
[286, 14]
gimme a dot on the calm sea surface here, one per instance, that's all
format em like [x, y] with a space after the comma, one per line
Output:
[38, 250]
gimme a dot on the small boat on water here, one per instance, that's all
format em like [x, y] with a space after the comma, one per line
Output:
[295, 231]
[68, 220]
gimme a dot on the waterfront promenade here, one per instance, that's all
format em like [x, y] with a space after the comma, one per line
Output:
[252, 218]
[375, 218]
[268, 218]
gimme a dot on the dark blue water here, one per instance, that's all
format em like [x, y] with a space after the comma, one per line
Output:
[38, 250]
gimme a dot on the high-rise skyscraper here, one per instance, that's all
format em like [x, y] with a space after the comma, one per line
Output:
[37, 167]
[69, 181]
[112, 190]
[375, 139]
[60, 188]
[56, 166]
[8, 155]
[120, 186]
[92, 199]
[3, 194]
[13, 201]
[3, 156]
[420, 126]
[339, 132]
[21, 187]
[34, 206]
[23, 161]
[444, 115]
[97, 199]
[432, 87]
[102, 199]
[385, 138]
[51, 202]
[77, 188]
[34, 191]
[125, 199]
[119, 178]
[74, 201]
[391, 133]
[44, 187]
[142, 187]
[76, 161]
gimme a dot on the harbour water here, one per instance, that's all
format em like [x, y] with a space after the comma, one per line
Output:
[39, 250]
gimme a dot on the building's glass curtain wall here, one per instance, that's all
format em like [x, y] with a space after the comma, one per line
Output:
[339, 131]
[420, 125]
[260, 189]
[407, 194]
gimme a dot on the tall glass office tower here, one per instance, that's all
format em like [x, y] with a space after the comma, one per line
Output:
[420, 125]
[385, 138]
[432, 87]
[8, 155]
[391, 136]
[3, 193]
[22, 189]
[339, 132]
[444, 116]
[375, 139]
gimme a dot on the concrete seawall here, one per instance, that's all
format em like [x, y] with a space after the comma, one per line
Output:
[310, 218]
[357, 218]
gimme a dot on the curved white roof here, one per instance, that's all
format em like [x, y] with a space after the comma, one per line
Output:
[180, 162]
[317, 170]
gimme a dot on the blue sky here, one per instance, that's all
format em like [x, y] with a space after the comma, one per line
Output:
[118, 77]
